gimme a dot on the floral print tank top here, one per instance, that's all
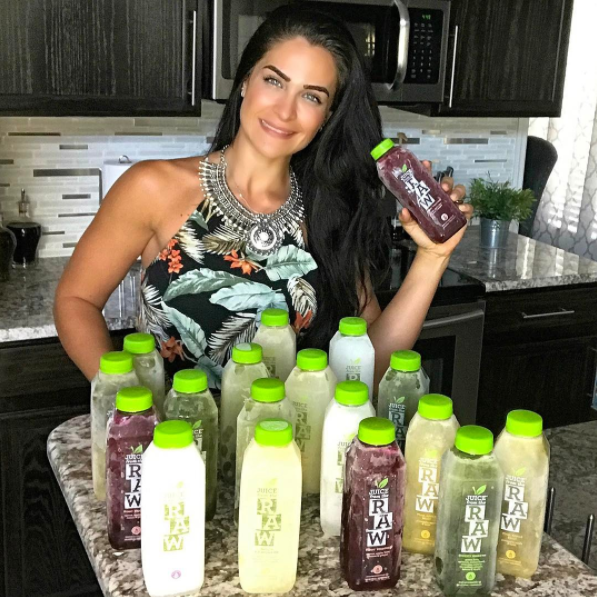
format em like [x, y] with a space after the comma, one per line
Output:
[204, 292]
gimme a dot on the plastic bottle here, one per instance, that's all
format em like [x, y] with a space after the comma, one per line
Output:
[190, 400]
[149, 366]
[408, 180]
[268, 401]
[470, 499]
[27, 233]
[372, 508]
[341, 423]
[270, 510]
[130, 431]
[310, 387]
[240, 372]
[400, 390]
[116, 372]
[278, 342]
[173, 512]
[431, 433]
[523, 454]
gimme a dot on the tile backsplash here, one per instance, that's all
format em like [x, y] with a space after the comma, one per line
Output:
[58, 160]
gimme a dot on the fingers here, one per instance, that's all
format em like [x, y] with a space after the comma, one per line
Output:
[467, 210]
[427, 165]
[404, 216]
[458, 194]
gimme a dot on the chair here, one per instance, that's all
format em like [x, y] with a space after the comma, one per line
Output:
[541, 157]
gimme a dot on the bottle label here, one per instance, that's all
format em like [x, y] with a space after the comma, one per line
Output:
[303, 429]
[198, 437]
[270, 363]
[341, 462]
[471, 559]
[132, 476]
[514, 511]
[397, 414]
[176, 519]
[378, 534]
[269, 520]
[427, 499]
[353, 372]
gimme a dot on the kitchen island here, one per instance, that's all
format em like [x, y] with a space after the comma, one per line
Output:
[560, 573]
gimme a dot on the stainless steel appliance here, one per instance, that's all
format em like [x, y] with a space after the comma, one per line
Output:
[404, 43]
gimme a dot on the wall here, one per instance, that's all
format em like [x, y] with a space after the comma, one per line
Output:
[57, 160]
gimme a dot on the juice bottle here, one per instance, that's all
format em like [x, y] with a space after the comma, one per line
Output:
[400, 390]
[130, 431]
[149, 366]
[116, 372]
[352, 356]
[245, 366]
[372, 505]
[173, 512]
[431, 433]
[270, 510]
[190, 400]
[310, 387]
[408, 180]
[278, 342]
[342, 417]
[470, 499]
[523, 454]
[268, 400]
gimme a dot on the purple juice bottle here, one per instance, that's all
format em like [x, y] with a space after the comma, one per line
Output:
[372, 507]
[408, 180]
[130, 431]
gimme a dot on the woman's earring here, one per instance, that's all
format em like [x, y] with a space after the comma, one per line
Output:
[242, 91]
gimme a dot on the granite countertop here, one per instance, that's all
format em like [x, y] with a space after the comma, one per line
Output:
[27, 300]
[119, 573]
[525, 263]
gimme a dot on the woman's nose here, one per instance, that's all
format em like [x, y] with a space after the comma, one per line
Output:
[286, 107]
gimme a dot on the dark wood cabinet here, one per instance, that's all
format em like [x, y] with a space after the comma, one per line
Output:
[539, 353]
[105, 57]
[507, 58]
[41, 554]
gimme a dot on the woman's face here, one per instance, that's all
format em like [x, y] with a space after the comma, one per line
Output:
[288, 97]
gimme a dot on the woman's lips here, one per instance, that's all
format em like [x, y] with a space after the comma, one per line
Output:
[276, 132]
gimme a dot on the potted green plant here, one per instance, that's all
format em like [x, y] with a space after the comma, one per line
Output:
[497, 204]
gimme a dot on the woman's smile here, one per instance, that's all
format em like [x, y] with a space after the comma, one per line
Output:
[274, 130]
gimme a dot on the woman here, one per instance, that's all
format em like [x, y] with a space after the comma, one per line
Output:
[285, 213]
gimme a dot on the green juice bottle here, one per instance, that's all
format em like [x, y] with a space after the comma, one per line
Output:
[470, 500]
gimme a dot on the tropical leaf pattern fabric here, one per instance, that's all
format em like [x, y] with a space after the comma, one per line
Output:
[204, 292]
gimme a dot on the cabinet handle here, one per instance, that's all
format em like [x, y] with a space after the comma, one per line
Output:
[194, 61]
[586, 548]
[557, 313]
[453, 66]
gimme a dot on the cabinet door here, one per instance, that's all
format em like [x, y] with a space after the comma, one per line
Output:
[509, 57]
[67, 57]
[42, 554]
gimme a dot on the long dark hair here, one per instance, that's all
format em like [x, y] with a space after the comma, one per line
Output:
[346, 232]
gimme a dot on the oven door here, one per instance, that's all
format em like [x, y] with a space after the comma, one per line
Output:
[403, 43]
[450, 346]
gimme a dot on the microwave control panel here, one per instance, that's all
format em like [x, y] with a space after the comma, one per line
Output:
[424, 46]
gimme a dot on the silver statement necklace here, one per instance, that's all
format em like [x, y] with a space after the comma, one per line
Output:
[263, 233]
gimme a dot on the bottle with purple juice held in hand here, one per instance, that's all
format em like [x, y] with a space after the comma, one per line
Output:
[130, 431]
[372, 508]
[408, 180]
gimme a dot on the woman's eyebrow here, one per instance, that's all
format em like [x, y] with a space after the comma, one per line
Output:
[287, 79]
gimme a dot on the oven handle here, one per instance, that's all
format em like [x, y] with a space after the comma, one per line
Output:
[453, 319]
[403, 35]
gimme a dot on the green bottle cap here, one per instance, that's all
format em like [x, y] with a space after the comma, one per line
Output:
[525, 423]
[376, 431]
[273, 432]
[173, 434]
[268, 389]
[189, 381]
[474, 440]
[405, 360]
[116, 362]
[382, 148]
[134, 399]
[353, 326]
[436, 407]
[351, 393]
[275, 318]
[139, 343]
[311, 359]
[247, 354]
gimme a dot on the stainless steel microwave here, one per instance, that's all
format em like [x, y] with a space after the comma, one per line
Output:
[403, 43]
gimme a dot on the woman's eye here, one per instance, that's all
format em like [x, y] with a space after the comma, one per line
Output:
[272, 81]
[313, 98]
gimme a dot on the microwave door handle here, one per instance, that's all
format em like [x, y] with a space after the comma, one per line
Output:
[403, 35]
